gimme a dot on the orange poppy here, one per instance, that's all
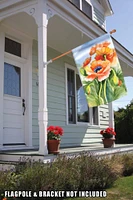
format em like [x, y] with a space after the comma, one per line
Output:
[106, 44]
[93, 50]
[98, 69]
[87, 61]
[105, 53]
[99, 46]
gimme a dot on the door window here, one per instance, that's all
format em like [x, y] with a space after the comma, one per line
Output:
[12, 80]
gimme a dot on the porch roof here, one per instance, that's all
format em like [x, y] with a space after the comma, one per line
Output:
[69, 13]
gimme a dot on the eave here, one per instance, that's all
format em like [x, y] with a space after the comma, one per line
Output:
[107, 6]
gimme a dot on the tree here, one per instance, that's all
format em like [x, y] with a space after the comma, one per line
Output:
[124, 124]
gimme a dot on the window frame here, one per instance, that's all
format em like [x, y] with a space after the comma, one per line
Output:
[68, 66]
[81, 7]
[15, 40]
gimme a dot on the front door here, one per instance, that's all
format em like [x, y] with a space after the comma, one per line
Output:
[14, 104]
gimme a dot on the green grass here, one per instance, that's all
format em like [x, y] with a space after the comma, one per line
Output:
[121, 190]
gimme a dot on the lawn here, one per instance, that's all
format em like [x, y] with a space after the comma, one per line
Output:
[121, 190]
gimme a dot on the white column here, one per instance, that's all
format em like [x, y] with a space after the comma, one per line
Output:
[111, 115]
[42, 73]
[111, 118]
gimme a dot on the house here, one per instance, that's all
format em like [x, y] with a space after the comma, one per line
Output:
[34, 95]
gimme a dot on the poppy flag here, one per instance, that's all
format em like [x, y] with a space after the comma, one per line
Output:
[100, 71]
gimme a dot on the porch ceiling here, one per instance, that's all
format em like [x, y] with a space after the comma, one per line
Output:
[23, 23]
[62, 36]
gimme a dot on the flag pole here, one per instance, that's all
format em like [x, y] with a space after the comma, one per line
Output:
[53, 59]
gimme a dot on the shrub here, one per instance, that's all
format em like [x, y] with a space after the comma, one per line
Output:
[7, 180]
[127, 161]
[115, 164]
[95, 173]
[84, 172]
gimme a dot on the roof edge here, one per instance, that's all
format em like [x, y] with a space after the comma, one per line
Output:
[106, 4]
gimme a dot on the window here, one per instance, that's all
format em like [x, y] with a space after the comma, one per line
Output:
[12, 82]
[76, 3]
[87, 8]
[12, 47]
[71, 95]
[78, 110]
[84, 6]
[82, 107]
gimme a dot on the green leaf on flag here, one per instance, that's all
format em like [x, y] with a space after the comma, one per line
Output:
[109, 91]
[82, 71]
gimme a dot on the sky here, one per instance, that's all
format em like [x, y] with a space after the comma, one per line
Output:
[122, 21]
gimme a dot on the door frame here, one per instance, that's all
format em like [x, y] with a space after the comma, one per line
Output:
[23, 83]
[26, 61]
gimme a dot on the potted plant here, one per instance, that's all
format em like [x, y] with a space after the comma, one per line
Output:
[54, 134]
[108, 137]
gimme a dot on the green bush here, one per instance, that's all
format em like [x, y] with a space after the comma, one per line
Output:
[84, 172]
[115, 164]
[95, 173]
[127, 161]
[7, 181]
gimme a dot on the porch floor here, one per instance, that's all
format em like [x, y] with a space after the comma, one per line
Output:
[15, 155]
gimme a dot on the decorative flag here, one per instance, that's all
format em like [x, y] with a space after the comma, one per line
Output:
[100, 71]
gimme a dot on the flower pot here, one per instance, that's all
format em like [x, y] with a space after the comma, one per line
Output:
[53, 146]
[108, 142]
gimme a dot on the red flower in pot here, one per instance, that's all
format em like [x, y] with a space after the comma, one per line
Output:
[54, 134]
[108, 137]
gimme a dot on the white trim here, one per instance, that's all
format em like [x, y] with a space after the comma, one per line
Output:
[89, 124]
[2, 36]
[15, 58]
[28, 121]
[66, 94]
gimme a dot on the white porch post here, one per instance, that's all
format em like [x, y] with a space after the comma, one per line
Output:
[111, 115]
[111, 118]
[42, 58]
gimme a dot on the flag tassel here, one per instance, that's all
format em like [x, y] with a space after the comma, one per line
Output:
[53, 59]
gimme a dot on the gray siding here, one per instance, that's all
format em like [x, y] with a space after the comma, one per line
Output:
[98, 17]
[74, 135]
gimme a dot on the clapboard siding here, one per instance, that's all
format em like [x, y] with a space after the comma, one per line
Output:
[104, 116]
[98, 17]
[74, 135]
